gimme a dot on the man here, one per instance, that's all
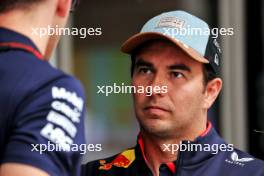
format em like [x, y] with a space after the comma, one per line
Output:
[41, 108]
[176, 137]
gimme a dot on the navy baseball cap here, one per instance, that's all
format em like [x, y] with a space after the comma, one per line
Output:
[187, 31]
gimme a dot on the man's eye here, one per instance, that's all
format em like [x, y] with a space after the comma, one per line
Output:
[144, 70]
[177, 75]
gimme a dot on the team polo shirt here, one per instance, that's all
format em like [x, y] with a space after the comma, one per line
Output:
[207, 162]
[40, 106]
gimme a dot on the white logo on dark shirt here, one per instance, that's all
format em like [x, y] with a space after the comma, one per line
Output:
[238, 161]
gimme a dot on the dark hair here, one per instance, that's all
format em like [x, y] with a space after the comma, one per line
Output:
[208, 72]
[7, 5]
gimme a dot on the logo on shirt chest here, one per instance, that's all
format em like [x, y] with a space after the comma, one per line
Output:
[122, 160]
[234, 159]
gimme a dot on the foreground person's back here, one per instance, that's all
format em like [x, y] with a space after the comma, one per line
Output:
[41, 108]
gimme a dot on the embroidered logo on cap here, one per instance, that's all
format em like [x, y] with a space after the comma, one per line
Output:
[217, 45]
[216, 59]
[171, 22]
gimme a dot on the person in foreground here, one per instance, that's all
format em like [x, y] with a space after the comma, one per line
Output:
[176, 137]
[41, 108]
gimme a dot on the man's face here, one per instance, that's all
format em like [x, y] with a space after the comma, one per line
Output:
[164, 114]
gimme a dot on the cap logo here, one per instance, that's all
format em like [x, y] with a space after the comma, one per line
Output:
[217, 45]
[171, 22]
[216, 60]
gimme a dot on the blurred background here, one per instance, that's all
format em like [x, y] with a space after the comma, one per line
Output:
[238, 114]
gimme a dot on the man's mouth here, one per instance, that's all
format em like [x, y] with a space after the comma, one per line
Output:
[155, 110]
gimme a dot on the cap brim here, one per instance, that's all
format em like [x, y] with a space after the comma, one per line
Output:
[138, 39]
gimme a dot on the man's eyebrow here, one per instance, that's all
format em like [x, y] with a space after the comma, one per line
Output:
[179, 67]
[142, 62]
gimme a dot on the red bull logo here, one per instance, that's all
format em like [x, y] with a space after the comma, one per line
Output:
[122, 160]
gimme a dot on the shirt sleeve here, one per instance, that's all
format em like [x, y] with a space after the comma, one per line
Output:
[49, 128]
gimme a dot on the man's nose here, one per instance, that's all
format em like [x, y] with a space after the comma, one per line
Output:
[158, 83]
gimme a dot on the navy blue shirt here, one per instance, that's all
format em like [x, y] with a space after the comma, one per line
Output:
[207, 155]
[41, 110]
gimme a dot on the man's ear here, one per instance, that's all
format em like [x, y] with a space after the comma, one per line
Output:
[212, 90]
[63, 8]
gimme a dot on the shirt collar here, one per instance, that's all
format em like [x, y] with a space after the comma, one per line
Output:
[19, 40]
[209, 136]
